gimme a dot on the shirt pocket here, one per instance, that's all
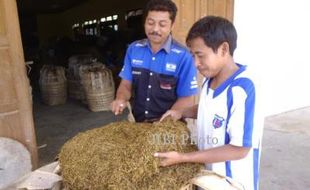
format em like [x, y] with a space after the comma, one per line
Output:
[167, 87]
[167, 83]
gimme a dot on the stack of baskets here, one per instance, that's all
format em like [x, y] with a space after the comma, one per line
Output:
[88, 81]
[53, 85]
[75, 87]
[99, 87]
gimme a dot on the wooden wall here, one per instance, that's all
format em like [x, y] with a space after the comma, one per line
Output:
[16, 118]
[189, 11]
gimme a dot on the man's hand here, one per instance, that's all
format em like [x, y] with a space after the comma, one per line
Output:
[175, 114]
[169, 158]
[117, 106]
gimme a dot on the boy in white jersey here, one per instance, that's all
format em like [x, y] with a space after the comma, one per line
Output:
[226, 112]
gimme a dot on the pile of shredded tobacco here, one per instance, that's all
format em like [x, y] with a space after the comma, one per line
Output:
[121, 156]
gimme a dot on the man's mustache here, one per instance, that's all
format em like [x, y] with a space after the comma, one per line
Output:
[154, 34]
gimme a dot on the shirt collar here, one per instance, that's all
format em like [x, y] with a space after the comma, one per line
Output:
[166, 46]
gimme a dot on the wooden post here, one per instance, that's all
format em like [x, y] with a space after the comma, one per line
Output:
[189, 11]
[16, 117]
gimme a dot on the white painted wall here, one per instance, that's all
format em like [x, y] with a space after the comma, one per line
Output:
[274, 39]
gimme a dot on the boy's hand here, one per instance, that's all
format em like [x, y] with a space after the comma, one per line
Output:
[175, 114]
[168, 158]
[117, 106]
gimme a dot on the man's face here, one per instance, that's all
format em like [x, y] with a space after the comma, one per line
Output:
[207, 61]
[158, 26]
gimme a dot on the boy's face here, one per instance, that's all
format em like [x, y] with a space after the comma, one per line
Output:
[158, 26]
[207, 61]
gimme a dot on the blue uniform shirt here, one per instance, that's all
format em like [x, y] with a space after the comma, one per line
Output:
[158, 79]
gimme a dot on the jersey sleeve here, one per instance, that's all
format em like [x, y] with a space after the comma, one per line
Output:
[187, 83]
[241, 115]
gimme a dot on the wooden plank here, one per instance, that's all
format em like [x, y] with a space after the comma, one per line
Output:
[10, 125]
[203, 8]
[197, 9]
[210, 7]
[185, 19]
[8, 100]
[3, 42]
[230, 10]
[219, 8]
[2, 26]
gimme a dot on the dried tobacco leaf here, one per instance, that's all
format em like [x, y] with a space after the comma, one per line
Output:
[120, 156]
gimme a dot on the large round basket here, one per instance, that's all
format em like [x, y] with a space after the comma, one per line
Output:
[53, 85]
[99, 87]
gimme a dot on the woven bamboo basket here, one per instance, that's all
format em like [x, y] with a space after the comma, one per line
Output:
[74, 64]
[77, 65]
[75, 87]
[99, 87]
[53, 85]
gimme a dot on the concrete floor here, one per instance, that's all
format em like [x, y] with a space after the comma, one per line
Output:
[57, 124]
[285, 162]
[285, 155]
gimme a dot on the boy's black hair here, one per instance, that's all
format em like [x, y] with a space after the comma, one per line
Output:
[162, 5]
[214, 31]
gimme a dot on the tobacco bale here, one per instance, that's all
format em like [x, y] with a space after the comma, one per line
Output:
[120, 156]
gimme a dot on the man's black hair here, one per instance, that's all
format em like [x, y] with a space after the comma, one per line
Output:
[214, 31]
[162, 5]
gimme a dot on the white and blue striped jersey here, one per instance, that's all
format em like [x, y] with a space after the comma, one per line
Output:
[229, 115]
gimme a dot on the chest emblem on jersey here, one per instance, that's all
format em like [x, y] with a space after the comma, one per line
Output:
[218, 121]
[171, 67]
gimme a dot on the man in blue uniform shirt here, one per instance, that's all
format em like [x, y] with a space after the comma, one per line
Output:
[160, 70]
